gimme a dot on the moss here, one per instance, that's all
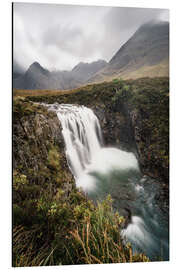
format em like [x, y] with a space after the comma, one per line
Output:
[53, 158]
[22, 107]
[19, 180]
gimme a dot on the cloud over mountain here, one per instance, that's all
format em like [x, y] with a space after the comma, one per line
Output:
[61, 36]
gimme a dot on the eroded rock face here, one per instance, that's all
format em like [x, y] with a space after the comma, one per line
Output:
[37, 143]
[116, 127]
[32, 136]
[148, 151]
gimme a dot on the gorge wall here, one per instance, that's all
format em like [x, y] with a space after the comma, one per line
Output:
[126, 129]
[134, 116]
[38, 150]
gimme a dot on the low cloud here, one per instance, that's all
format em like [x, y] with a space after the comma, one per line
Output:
[60, 36]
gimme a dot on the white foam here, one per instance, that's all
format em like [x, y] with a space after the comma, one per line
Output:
[83, 139]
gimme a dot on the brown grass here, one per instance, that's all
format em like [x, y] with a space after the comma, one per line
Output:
[159, 70]
[27, 92]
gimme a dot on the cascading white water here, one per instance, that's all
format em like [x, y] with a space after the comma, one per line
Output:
[84, 146]
[100, 170]
[82, 136]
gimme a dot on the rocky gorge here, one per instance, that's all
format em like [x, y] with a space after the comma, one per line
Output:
[136, 120]
[133, 116]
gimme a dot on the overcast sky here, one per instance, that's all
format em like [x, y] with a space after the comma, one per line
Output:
[61, 36]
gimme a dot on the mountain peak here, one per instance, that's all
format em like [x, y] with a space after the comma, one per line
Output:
[36, 67]
[35, 64]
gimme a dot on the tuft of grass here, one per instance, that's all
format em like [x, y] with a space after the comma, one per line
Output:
[97, 238]
[71, 231]
[24, 247]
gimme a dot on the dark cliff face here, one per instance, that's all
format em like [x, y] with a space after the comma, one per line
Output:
[116, 127]
[38, 147]
[126, 129]
[152, 153]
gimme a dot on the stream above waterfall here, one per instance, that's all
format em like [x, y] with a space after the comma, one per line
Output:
[101, 170]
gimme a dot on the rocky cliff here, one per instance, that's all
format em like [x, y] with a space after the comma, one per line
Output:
[133, 116]
[38, 148]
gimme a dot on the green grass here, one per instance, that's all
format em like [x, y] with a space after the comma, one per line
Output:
[97, 239]
[53, 227]
[76, 233]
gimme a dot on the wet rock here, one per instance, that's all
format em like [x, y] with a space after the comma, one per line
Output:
[33, 137]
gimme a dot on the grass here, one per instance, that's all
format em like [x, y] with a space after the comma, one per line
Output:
[98, 239]
[92, 236]
[93, 94]
[26, 93]
[152, 71]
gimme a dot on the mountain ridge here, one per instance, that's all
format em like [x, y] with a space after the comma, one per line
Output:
[145, 54]
[147, 49]
[37, 77]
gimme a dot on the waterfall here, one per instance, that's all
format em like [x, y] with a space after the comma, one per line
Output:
[82, 136]
[101, 170]
[85, 152]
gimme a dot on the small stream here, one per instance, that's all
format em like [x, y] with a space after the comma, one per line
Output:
[100, 171]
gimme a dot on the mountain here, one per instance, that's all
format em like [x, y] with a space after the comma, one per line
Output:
[84, 71]
[37, 77]
[146, 53]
